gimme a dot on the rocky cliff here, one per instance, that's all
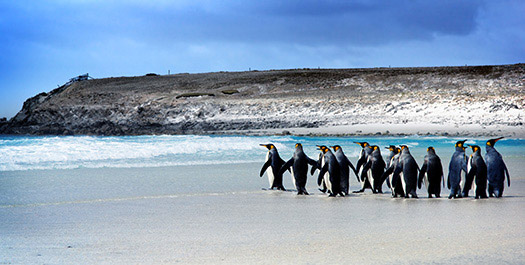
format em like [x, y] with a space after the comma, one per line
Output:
[242, 102]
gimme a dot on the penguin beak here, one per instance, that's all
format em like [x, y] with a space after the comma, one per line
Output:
[267, 146]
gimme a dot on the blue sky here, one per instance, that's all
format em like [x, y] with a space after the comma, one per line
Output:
[44, 43]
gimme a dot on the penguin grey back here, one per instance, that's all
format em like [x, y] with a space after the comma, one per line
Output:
[458, 164]
[476, 174]
[409, 168]
[299, 168]
[432, 173]
[496, 169]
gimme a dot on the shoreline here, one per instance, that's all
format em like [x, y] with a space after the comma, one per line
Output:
[408, 129]
[356, 130]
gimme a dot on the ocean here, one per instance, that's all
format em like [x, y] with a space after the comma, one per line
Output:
[19, 153]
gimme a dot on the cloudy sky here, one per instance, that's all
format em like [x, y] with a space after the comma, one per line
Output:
[44, 43]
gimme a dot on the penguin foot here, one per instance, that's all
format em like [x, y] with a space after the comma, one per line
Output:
[358, 191]
[438, 196]
[430, 195]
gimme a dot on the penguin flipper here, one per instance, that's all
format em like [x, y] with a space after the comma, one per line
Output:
[286, 166]
[422, 174]
[507, 173]
[351, 166]
[321, 174]
[385, 175]
[360, 162]
[265, 166]
[316, 166]
[365, 169]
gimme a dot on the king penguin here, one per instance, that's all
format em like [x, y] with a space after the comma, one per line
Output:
[363, 156]
[408, 172]
[344, 164]
[320, 164]
[361, 161]
[330, 172]
[274, 163]
[432, 173]
[476, 174]
[496, 169]
[373, 170]
[299, 168]
[392, 175]
[458, 164]
[392, 149]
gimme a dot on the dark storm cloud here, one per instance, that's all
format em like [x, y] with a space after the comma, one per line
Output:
[314, 22]
[300, 22]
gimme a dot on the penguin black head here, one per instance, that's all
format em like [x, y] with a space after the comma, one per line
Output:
[362, 144]
[475, 148]
[336, 147]
[269, 146]
[460, 144]
[492, 142]
[391, 148]
[298, 145]
[403, 147]
[431, 150]
[398, 150]
[374, 147]
[322, 148]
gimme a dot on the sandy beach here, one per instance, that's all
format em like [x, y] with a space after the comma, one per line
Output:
[220, 214]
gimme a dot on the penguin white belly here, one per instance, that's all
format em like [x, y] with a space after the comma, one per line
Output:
[327, 181]
[370, 177]
[269, 171]
[425, 178]
[469, 164]
[323, 180]
[403, 183]
[293, 177]
[271, 177]
[462, 181]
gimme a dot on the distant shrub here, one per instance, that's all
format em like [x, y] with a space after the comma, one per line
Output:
[230, 91]
[196, 94]
[152, 74]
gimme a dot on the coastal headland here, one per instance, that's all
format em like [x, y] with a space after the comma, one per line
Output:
[451, 101]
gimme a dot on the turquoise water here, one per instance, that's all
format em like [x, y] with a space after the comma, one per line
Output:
[70, 152]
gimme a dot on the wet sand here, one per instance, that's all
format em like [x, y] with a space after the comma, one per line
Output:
[230, 220]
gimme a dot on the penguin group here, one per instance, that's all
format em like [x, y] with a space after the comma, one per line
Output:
[401, 173]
